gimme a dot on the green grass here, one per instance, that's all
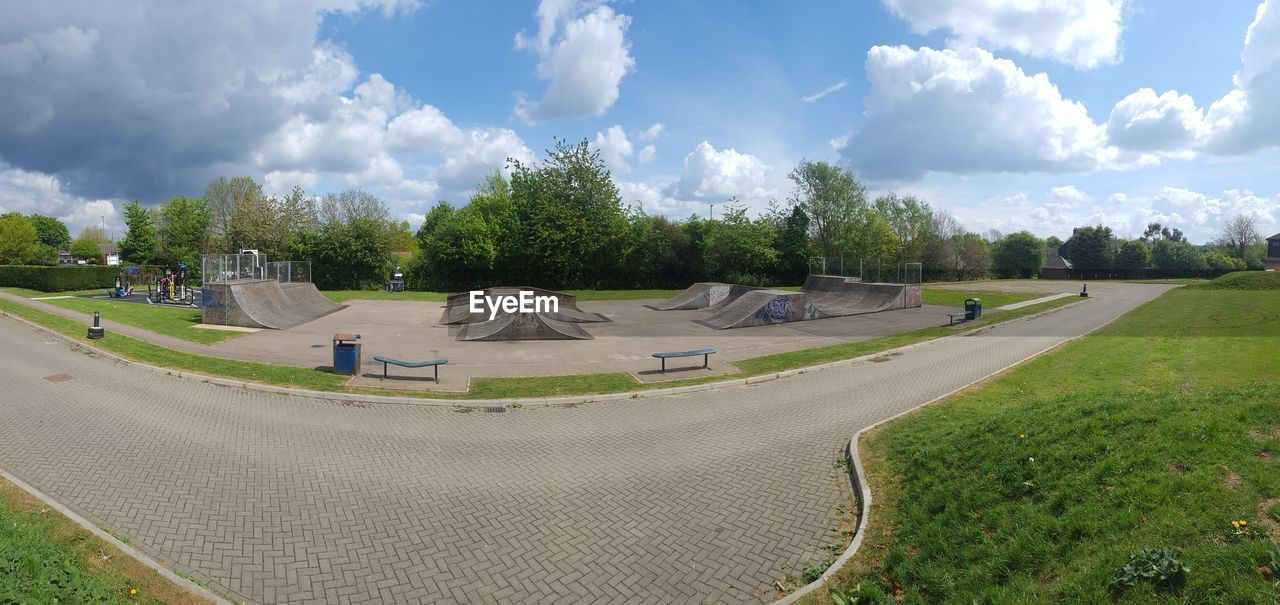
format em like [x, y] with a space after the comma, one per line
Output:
[178, 322]
[1156, 431]
[46, 558]
[486, 388]
[25, 293]
[1245, 280]
[1185, 281]
[955, 298]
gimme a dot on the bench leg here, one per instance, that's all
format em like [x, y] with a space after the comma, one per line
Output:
[704, 361]
[437, 369]
[664, 365]
[384, 370]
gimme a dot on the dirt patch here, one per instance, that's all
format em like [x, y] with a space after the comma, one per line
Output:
[1176, 467]
[1233, 480]
[1269, 519]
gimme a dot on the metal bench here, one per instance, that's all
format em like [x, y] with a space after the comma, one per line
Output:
[953, 316]
[705, 353]
[434, 363]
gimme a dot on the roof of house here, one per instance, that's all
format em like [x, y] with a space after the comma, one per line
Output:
[1274, 237]
[108, 248]
[1053, 261]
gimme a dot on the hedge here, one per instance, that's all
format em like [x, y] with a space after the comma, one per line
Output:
[57, 279]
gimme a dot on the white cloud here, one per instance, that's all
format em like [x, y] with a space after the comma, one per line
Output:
[837, 87]
[1248, 118]
[716, 175]
[280, 182]
[583, 55]
[1067, 197]
[614, 149]
[422, 130]
[31, 192]
[481, 152]
[381, 170]
[1082, 33]
[652, 132]
[965, 111]
[1118, 198]
[1143, 121]
[647, 155]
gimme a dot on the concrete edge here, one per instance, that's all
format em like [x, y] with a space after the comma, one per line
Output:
[858, 473]
[530, 401]
[132, 552]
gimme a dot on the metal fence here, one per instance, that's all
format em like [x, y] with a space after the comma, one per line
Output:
[222, 268]
[867, 269]
[289, 271]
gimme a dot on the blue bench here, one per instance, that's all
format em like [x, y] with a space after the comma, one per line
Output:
[962, 316]
[434, 363]
[705, 353]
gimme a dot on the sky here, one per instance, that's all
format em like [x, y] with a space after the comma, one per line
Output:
[1010, 114]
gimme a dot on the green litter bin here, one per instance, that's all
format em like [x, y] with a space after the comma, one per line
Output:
[972, 308]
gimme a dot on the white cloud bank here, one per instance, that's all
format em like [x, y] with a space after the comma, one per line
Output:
[583, 54]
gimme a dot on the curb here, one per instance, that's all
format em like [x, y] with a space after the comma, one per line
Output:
[132, 552]
[539, 401]
[858, 473]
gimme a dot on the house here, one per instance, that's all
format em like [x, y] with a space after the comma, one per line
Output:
[1273, 253]
[1055, 267]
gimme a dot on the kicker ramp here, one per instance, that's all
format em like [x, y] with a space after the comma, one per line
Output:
[522, 326]
[704, 295]
[458, 307]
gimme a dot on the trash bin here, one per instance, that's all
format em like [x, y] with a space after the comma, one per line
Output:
[972, 308]
[346, 354]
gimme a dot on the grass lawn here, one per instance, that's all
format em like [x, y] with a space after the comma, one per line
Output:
[1157, 431]
[47, 558]
[492, 388]
[178, 322]
[955, 298]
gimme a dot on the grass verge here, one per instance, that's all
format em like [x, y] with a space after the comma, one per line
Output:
[47, 558]
[178, 322]
[955, 298]
[1157, 431]
[497, 388]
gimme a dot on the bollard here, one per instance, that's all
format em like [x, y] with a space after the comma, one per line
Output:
[96, 331]
[1084, 291]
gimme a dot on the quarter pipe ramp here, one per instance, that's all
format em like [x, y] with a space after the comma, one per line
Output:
[263, 303]
[822, 296]
[522, 326]
[703, 295]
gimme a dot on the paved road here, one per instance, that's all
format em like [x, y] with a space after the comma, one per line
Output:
[703, 497]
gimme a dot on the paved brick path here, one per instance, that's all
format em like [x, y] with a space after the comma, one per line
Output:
[704, 497]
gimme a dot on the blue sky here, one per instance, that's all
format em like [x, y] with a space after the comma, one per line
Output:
[1009, 115]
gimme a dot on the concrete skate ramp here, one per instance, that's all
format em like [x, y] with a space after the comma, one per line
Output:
[761, 308]
[522, 326]
[462, 299]
[261, 303]
[822, 296]
[703, 295]
[307, 299]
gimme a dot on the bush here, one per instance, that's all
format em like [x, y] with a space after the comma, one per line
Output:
[57, 279]
[1245, 280]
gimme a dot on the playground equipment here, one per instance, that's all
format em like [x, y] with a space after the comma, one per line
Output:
[171, 288]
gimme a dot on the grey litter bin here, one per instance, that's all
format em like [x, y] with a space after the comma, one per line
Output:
[972, 308]
[346, 354]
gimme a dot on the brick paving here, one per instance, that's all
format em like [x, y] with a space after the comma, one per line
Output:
[704, 497]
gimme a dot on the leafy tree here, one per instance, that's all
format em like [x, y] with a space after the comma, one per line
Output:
[51, 232]
[183, 231]
[139, 243]
[973, 256]
[43, 255]
[231, 201]
[834, 201]
[794, 247]
[878, 246]
[1176, 258]
[739, 249]
[1156, 231]
[459, 253]
[1053, 242]
[1133, 255]
[1017, 255]
[570, 216]
[1090, 248]
[17, 239]
[912, 221]
[1217, 263]
[86, 248]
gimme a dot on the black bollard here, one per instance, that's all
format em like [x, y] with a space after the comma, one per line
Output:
[96, 331]
[1084, 291]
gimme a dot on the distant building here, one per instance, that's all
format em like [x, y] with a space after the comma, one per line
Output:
[1273, 253]
[1055, 267]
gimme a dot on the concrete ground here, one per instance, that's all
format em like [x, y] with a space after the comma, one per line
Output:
[703, 497]
[409, 331]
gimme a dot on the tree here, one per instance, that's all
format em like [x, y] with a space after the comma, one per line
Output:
[87, 249]
[224, 196]
[1053, 242]
[1018, 255]
[51, 232]
[1156, 231]
[1090, 248]
[834, 201]
[1175, 258]
[1217, 263]
[738, 249]
[973, 257]
[570, 218]
[911, 219]
[794, 247]
[138, 245]
[1238, 234]
[18, 243]
[1133, 255]
[183, 231]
